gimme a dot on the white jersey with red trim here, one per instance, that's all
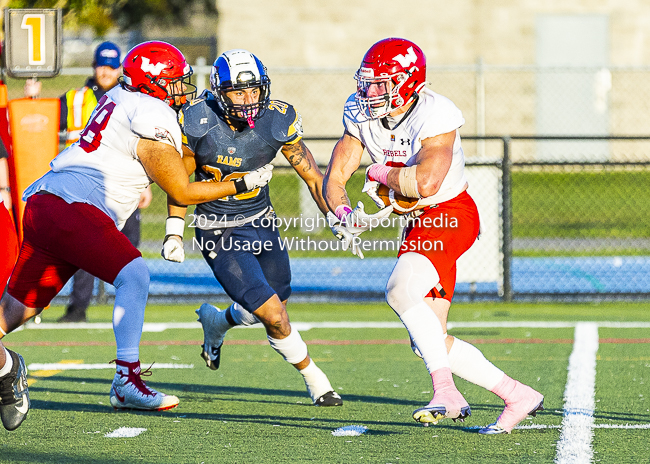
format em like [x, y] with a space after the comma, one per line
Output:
[432, 115]
[102, 168]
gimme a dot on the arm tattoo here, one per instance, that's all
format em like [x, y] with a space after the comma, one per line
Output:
[297, 156]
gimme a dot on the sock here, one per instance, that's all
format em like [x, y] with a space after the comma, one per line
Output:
[131, 292]
[292, 348]
[442, 380]
[9, 363]
[505, 387]
[316, 381]
[240, 316]
[426, 331]
[467, 362]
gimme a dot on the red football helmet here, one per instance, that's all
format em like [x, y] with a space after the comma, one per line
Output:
[158, 69]
[391, 73]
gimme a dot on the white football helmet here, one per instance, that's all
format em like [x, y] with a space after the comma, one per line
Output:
[240, 69]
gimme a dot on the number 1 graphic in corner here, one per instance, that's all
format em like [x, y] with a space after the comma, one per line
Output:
[35, 25]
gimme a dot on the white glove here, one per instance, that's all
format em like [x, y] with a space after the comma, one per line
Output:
[172, 249]
[259, 178]
[370, 187]
[359, 221]
[346, 237]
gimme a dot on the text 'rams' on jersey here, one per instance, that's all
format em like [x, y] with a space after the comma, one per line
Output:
[223, 154]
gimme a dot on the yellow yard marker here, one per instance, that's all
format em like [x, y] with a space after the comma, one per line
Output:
[49, 373]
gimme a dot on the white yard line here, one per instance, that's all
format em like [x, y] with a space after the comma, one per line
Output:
[595, 426]
[125, 432]
[304, 326]
[84, 367]
[577, 433]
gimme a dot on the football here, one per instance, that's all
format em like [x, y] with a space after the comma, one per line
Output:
[401, 204]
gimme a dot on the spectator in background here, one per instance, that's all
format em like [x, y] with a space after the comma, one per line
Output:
[76, 107]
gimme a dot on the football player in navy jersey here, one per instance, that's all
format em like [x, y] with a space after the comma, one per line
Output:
[229, 131]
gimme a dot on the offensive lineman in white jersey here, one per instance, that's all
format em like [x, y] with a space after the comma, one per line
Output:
[411, 134]
[74, 212]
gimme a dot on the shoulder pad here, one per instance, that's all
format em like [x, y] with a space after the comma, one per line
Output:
[196, 117]
[286, 122]
[352, 112]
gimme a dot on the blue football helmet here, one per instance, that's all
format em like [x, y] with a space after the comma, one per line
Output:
[240, 69]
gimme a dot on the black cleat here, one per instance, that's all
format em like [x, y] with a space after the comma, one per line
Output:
[433, 414]
[536, 409]
[14, 396]
[464, 414]
[212, 359]
[330, 398]
[72, 317]
[73, 314]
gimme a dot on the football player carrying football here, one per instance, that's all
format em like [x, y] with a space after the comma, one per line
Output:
[229, 131]
[411, 134]
[74, 213]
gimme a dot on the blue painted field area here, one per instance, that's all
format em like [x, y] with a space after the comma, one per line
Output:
[613, 274]
[367, 278]
[600, 275]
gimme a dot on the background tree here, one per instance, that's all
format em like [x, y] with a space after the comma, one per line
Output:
[103, 15]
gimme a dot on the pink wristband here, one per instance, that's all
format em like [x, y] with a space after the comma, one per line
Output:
[379, 172]
[342, 211]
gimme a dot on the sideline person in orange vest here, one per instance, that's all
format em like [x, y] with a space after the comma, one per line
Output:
[76, 107]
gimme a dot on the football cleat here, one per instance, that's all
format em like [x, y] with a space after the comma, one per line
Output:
[492, 429]
[526, 402]
[215, 327]
[331, 398]
[448, 405]
[130, 392]
[213, 357]
[14, 395]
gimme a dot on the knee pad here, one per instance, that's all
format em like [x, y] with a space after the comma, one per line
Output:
[412, 278]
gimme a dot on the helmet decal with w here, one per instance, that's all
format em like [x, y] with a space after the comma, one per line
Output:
[391, 74]
[160, 70]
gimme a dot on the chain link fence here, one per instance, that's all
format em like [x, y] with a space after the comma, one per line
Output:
[563, 204]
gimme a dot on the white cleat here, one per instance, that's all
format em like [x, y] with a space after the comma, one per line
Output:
[130, 392]
[215, 327]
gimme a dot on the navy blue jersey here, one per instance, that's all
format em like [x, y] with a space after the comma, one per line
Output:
[223, 154]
